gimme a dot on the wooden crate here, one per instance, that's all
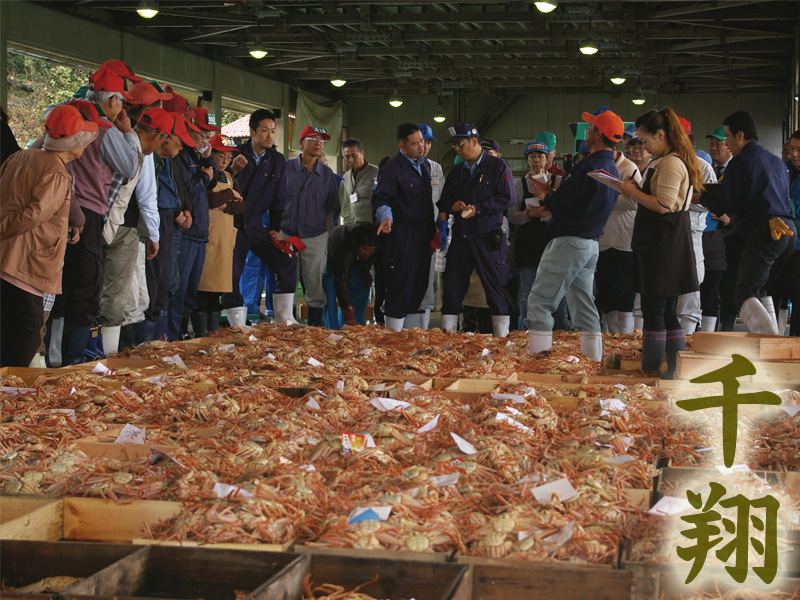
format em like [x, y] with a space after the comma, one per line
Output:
[103, 445]
[31, 518]
[95, 519]
[435, 557]
[397, 578]
[496, 579]
[755, 346]
[692, 364]
[170, 572]
[621, 379]
[24, 563]
[680, 477]
[636, 366]
[545, 378]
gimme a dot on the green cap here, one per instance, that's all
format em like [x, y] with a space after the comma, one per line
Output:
[81, 92]
[718, 133]
[548, 138]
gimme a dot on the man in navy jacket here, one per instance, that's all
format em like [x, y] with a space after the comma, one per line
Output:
[579, 209]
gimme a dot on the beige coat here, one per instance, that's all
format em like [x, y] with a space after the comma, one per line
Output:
[35, 191]
[218, 268]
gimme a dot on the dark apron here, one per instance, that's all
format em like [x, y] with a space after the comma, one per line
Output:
[663, 257]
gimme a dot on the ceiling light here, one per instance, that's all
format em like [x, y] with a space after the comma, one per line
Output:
[588, 47]
[439, 117]
[147, 9]
[639, 99]
[258, 52]
[546, 7]
[617, 78]
[338, 80]
[396, 101]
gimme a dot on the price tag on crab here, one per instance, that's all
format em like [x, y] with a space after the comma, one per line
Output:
[518, 398]
[620, 459]
[387, 404]
[334, 337]
[560, 490]
[429, 425]
[369, 513]
[790, 410]
[353, 442]
[366, 352]
[72, 391]
[223, 490]
[669, 505]
[463, 444]
[445, 480]
[252, 338]
[733, 469]
[100, 369]
[611, 404]
[314, 362]
[131, 434]
[175, 360]
[504, 417]
[312, 403]
[562, 536]
[228, 348]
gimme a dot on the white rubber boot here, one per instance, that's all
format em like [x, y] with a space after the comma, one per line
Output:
[412, 320]
[611, 321]
[110, 339]
[688, 325]
[709, 324]
[756, 318]
[54, 349]
[500, 325]
[237, 316]
[394, 324]
[425, 319]
[450, 322]
[539, 341]
[592, 344]
[769, 305]
[38, 361]
[783, 319]
[283, 305]
[626, 322]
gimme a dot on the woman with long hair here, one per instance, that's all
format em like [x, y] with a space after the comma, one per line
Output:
[663, 259]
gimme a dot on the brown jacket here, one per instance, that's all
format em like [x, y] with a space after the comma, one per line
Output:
[35, 191]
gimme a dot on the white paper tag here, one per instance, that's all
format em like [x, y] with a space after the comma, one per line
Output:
[560, 490]
[353, 198]
[334, 337]
[100, 369]
[312, 404]
[68, 412]
[72, 391]
[309, 468]
[429, 425]
[463, 444]
[314, 362]
[620, 459]
[340, 385]
[175, 360]
[252, 338]
[131, 434]
[159, 380]
[369, 513]
[445, 480]
[619, 386]
[669, 505]
[503, 417]
[613, 404]
[530, 478]
[370, 441]
[572, 359]
[485, 353]
[509, 343]
[733, 469]
[513, 410]
[378, 387]
[223, 490]
[270, 356]
[518, 398]
[410, 386]
[387, 404]
[366, 351]
[790, 410]
[228, 348]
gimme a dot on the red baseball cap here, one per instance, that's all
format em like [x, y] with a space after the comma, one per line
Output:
[66, 120]
[176, 104]
[145, 94]
[687, 126]
[121, 68]
[313, 131]
[105, 80]
[609, 123]
[89, 111]
[203, 119]
[291, 245]
[181, 130]
[157, 119]
[217, 144]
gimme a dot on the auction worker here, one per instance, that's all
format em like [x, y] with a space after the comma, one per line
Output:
[477, 191]
[402, 202]
[579, 209]
[348, 278]
[756, 189]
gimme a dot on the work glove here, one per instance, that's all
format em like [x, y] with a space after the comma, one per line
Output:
[778, 228]
[349, 314]
[442, 226]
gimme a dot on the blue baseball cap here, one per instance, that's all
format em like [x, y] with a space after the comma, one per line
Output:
[462, 131]
[535, 146]
[601, 110]
[426, 131]
[583, 148]
[631, 129]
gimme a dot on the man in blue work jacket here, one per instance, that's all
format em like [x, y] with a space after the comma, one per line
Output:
[477, 191]
[579, 209]
[756, 189]
[259, 171]
[402, 202]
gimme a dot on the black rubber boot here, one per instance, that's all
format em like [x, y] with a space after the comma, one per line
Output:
[73, 345]
[676, 342]
[145, 332]
[315, 316]
[184, 333]
[127, 336]
[727, 322]
[653, 347]
[199, 323]
[213, 320]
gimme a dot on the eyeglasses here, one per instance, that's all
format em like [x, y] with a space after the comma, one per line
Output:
[313, 139]
[460, 144]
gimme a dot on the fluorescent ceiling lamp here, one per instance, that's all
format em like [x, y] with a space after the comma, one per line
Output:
[147, 9]
[439, 117]
[258, 52]
[546, 7]
[396, 101]
[617, 78]
[588, 47]
[337, 80]
[639, 100]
